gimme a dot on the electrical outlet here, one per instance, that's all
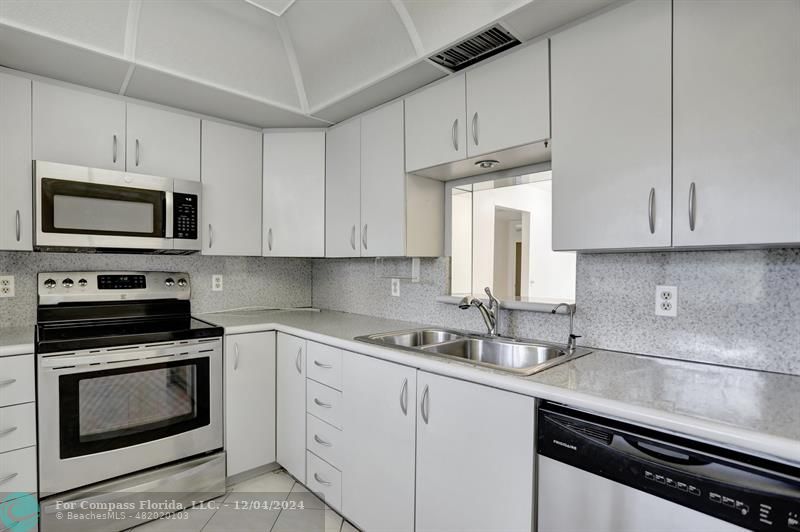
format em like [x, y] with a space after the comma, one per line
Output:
[216, 283]
[667, 301]
[396, 287]
[6, 286]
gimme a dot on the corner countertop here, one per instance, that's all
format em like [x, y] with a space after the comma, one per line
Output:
[752, 411]
[16, 340]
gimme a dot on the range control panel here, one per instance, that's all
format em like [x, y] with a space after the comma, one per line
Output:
[121, 282]
[65, 287]
[185, 216]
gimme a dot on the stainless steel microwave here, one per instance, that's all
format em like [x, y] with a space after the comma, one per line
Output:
[78, 208]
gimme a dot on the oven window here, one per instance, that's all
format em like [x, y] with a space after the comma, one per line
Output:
[110, 409]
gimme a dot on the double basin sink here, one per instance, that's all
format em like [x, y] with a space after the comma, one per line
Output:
[515, 356]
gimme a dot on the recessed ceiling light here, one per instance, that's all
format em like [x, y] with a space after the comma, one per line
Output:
[487, 163]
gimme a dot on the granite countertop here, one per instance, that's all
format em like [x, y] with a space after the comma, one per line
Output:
[16, 340]
[753, 411]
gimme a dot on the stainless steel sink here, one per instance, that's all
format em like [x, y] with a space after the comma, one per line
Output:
[515, 356]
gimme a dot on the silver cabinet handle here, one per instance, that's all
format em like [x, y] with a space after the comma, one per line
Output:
[475, 128]
[7, 382]
[651, 208]
[19, 227]
[236, 356]
[321, 365]
[404, 397]
[320, 403]
[425, 406]
[115, 149]
[269, 239]
[298, 362]
[691, 206]
[137, 152]
[8, 477]
[364, 237]
[9, 430]
[321, 480]
[353, 237]
[210, 236]
[321, 441]
[454, 134]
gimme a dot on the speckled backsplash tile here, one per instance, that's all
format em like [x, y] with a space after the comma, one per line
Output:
[248, 281]
[736, 308]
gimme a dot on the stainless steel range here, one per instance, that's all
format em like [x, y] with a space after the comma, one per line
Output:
[129, 394]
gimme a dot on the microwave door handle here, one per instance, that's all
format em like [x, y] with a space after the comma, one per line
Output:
[169, 201]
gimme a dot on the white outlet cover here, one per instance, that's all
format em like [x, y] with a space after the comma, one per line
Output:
[216, 283]
[667, 301]
[396, 287]
[6, 286]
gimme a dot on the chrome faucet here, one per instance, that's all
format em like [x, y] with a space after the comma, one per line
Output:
[571, 339]
[491, 315]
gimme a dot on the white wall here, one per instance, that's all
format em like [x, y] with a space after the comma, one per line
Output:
[461, 238]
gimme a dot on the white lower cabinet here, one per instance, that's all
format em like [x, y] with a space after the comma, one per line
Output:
[18, 474]
[291, 410]
[475, 457]
[378, 419]
[249, 401]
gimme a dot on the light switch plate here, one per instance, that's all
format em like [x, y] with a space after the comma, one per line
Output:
[6, 286]
[666, 301]
[216, 283]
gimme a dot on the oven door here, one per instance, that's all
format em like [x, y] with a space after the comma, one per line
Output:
[79, 207]
[106, 414]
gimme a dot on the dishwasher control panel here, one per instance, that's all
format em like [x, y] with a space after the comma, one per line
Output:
[734, 487]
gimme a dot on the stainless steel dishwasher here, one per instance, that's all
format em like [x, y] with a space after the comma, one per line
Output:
[601, 475]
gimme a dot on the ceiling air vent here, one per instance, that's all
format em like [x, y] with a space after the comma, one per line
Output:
[477, 48]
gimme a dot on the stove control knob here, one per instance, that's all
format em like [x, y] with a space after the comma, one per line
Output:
[182, 282]
[169, 281]
[82, 282]
[50, 283]
[67, 283]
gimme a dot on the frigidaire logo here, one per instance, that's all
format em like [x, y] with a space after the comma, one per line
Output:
[567, 445]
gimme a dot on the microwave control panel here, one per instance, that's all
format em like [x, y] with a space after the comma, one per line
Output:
[184, 223]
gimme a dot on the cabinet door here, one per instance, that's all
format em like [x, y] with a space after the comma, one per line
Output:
[231, 175]
[342, 190]
[291, 412]
[508, 101]
[16, 228]
[294, 194]
[611, 130]
[77, 127]
[162, 143]
[383, 183]
[737, 123]
[249, 401]
[379, 424]
[436, 129]
[475, 457]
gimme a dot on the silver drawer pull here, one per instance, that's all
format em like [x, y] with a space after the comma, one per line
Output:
[454, 134]
[321, 365]
[321, 480]
[9, 430]
[7, 382]
[114, 149]
[321, 441]
[320, 403]
[404, 397]
[353, 237]
[6, 478]
[298, 362]
[425, 406]
[19, 226]
[651, 207]
[692, 206]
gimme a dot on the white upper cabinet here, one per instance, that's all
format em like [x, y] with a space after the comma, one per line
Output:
[611, 130]
[231, 174]
[77, 127]
[162, 143]
[15, 164]
[343, 190]
[737, 123]
[294, 194]
[379, 419]
[249, 401]
[436, 129]
[475, 468]
[383, 183]
[508, 101]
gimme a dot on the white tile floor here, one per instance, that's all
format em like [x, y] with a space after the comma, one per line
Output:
[232, 513]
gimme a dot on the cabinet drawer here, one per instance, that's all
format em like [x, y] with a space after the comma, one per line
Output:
[17, 380]
[324, 440]
[22, 465]
[324, 480]
[17, 427]
[325, 364]
[324, 402]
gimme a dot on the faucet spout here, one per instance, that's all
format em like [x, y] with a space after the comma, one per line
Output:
[491, 315]
[572, 338]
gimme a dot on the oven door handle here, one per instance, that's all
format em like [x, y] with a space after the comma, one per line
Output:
[142, 358]
[169, 230]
